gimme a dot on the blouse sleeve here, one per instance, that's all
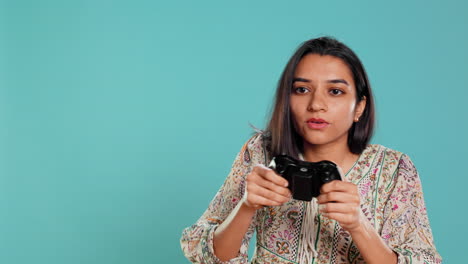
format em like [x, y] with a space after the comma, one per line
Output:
[406, 226]
[197, 240]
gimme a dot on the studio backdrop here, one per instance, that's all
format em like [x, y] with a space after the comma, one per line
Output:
[120, 120]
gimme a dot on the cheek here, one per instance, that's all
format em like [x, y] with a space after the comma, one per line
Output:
[295, 115]
[293, 108]
[346, 110]
[296, 112]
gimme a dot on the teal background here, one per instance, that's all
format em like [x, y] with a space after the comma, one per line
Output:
[121, 119]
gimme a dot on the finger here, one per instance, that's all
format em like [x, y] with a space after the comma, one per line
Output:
[343, 219]
[260, 191]
[270, 175]
[274, 187]
[339, 186]
[344, 208]
[338, 197]
[262, 201]
[258, 177]
[335, 216]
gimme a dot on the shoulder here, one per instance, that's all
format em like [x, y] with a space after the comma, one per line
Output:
[384, 168]
[378, 149]
[391, 158]
[256, 140]
[386, 153]
[253, 149]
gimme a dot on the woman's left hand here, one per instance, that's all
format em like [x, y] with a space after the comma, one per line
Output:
[340, 201]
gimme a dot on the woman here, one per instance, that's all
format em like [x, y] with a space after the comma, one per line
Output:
[324, 110]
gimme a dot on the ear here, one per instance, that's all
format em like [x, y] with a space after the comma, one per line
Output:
[360, 107]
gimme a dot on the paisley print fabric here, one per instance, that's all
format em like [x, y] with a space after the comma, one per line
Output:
[391, 199]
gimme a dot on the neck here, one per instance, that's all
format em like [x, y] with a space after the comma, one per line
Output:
[337, 152]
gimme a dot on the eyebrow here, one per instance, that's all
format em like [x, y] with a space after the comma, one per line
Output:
[299, 79]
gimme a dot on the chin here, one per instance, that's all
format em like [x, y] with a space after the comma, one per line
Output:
[315, 140]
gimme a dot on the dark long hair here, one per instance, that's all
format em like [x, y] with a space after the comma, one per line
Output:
[281, 137]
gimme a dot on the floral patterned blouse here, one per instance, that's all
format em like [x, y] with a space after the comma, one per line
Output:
[391, 199]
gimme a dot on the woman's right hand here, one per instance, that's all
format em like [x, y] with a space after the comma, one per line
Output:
[265, 188]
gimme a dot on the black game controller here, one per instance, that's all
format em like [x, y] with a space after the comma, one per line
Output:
[305, 178]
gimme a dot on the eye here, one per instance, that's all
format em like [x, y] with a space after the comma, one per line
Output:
[301, 90]
[336, 91]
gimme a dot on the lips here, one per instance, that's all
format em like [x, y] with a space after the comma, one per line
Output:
[316, 120]
[317, 123]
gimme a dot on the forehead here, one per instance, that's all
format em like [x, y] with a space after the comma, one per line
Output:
[320, 68]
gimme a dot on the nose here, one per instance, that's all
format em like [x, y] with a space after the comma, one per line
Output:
[317, 102]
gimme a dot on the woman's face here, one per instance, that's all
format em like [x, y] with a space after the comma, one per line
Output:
[323, 88]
